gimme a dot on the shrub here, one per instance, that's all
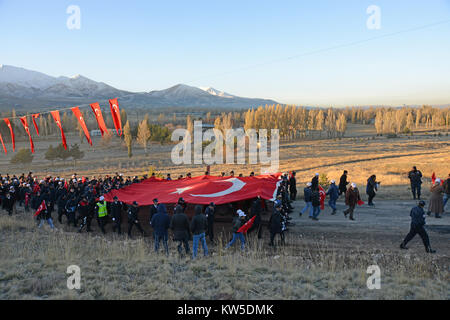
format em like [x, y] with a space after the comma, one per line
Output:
[24, 156]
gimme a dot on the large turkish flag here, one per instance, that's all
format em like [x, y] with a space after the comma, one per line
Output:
[199, 190]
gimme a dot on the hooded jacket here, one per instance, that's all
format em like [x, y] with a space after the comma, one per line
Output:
[180, 225]
[160, 221]
[199, 223]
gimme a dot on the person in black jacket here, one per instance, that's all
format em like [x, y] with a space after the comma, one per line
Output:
[83, 214]
[343, 183]
[71, 207]
[315, 201]
[209, 213]
[116, 213]
[315, 182]
[180, 227]
[417, 227]
[372, 187]
[153, 208]
[415, 177]
[293, 186]
[8, 203]
[161, 223]
[256, 210]
[275, 224]
[199, 225]
[133, 219]
[307, 194]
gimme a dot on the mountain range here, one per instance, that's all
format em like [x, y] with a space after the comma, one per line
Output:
[25, 89]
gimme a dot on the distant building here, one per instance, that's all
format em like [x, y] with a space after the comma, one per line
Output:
[98, 133]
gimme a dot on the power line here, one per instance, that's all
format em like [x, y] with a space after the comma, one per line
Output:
[318, 51]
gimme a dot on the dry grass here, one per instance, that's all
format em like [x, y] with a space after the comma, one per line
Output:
[33, 266]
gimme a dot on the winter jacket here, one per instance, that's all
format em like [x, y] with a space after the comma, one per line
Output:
[116, 210]
[180, 226]
[352, 197]
[371, 186]
[133, 214]
[307, 192]
[199, 223]
[447, 186]
[161, 221]
[333, 192]
[417, 217]
[415, 177]
[237, 224]
[315, 198]
[343, 183]
[275, 222]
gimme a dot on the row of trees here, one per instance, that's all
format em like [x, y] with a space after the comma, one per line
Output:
[405, 120]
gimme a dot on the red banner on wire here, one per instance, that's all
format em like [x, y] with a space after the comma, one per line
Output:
[76, 111]
[98, 115]
[34, 117]
[8, 123]
[115, 112]
[3, 144]
[27, 130]
[57, 118]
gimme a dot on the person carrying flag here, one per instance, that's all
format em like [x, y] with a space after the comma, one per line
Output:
[161, 223]
[44, 214]
[238, 221]
[133, 219]
[199, 225]
[116, 213]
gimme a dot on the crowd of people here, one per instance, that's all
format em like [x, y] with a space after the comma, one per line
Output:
[80, 200]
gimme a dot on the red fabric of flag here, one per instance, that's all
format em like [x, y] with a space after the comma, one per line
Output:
[55, 115]
[76, 111]
[433, 178]
[360, 203]
[27, 130]
[8, 123]
[98, 115]
[115, 112]
[247, 225]
[3, 144]
[41, 208]
[323, 195]
[34, 117]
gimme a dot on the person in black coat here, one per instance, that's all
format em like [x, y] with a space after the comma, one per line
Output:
[153, 209]
[275, 224]
[417, 227]
[343, 183]
[415, 176]
[199, 226]
[293, 187]
[209, 213]
[133, 219]
[256, 211]
[116, 208]
[181, 229]
[371, 188]
[161, 223]
[315, 182]
[83, 214]
[8, 203]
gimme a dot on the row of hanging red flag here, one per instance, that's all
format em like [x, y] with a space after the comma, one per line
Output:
[115, 112]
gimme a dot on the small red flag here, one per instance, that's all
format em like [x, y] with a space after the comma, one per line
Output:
[57, 118]
[3, 144]
[41, 208]
[98, 115]
[323, 195]
[115, 112]
[27, 130]
[433, 178]
[34, 117]
[8, 123]
[247, 226]
[360, 203]
[76, 111]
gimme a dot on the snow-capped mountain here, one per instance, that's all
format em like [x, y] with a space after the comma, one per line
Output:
[25, 89]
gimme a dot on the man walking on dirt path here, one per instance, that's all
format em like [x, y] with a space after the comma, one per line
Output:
[351, 199]
[415, 176]
[343, 183]
[417, 227]
[307, 193]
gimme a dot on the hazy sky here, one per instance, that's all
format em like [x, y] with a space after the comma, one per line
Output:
[241, 47]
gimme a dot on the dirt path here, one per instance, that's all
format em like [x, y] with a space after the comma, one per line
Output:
[379, 228]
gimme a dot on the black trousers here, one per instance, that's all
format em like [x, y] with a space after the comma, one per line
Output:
[184, 242]
[211, 231]
[71, 219]
[117, 226]
[131, 224]
[371, 195]
[422, 233]
[101, 223]
[416, 188]
[272, 237]
[61, 212]
[293, 195]
[85, 221]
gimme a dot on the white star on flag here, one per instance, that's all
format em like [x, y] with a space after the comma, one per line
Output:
[181, 190]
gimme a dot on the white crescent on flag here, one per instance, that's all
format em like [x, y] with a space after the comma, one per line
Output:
[237, 185]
